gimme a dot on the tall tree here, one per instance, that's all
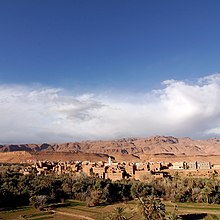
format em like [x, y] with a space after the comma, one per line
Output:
[151, 208]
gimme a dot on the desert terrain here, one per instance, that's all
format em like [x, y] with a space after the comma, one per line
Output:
[156, 148]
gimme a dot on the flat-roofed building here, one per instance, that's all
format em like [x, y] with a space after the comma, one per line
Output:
[191, 165]
[139, 174]
[216, 166]
[178, 166]
[203, 165]
[155, 167]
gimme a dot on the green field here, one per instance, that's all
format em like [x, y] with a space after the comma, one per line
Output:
[78, 210]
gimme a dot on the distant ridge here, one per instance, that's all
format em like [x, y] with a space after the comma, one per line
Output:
[155, 145]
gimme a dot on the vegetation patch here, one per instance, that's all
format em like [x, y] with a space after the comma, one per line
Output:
[91, 195]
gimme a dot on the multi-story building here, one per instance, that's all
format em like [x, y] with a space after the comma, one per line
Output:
[203, 165]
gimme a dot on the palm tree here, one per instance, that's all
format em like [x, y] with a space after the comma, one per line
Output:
[205, 193]
[118, 214]
[152, 208]
[173, 215]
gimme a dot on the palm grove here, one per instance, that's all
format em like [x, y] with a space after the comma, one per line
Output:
[17, 189]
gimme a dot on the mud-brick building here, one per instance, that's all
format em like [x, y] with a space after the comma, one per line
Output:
[216, 166]
[115, 174]
[28, 170]
[178, 166]
[94, 169]
[88, 168]
[139, 174]
[158, 175]
[143, 166]
[155, 167]
[191, 165]
[203, 165]
[98, 171]
[130, 169]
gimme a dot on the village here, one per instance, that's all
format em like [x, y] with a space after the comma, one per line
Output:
[123, 170]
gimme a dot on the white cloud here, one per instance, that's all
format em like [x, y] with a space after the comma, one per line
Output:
[38, 114]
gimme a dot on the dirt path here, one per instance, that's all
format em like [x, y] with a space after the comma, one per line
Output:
[190, 209]
[74, 215]
[198, 211]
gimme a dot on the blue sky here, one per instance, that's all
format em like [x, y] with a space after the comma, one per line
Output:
[108, 44]
[95, 69]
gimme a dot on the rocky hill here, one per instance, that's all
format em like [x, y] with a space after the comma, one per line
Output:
[156, 145]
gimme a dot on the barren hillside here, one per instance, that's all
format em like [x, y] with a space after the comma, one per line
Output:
[156, 148]
[30, 157]
[133, 146]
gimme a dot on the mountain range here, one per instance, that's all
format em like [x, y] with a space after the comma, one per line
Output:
[128, 146]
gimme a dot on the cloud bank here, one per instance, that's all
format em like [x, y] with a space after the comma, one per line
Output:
[30, 114]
